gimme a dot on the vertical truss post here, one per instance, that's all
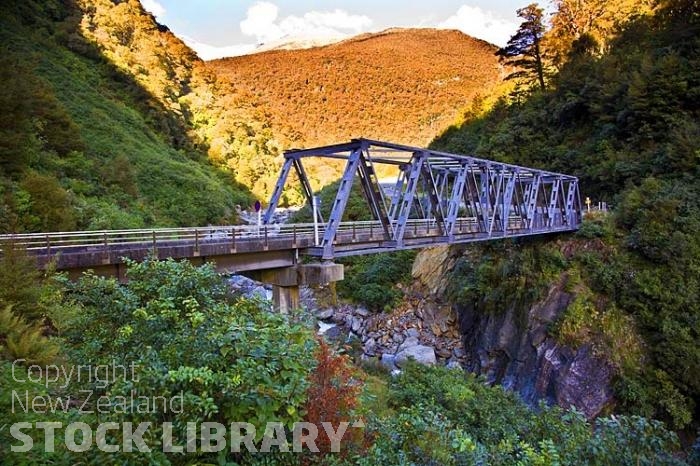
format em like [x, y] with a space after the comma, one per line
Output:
[407, 199]
[570, 199]
[433, 196]
[553, 201]
[455, 198]
[561, 204]
[485, 197]
[341, 200]
[579, 204]
[279, 187]
[508, 199]
[532, 200]
[520, 201]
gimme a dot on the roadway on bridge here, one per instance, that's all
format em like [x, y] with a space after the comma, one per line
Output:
[247, 247]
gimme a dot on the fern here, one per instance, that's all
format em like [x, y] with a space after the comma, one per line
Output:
[11, 323]
[19, 340]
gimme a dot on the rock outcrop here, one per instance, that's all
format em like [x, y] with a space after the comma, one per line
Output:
[513, 348]
[432, 267]
[412, 349]
[249, 288]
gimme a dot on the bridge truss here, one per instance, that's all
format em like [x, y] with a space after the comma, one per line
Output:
[436, 189]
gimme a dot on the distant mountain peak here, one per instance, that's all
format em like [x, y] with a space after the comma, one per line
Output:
[300, 42]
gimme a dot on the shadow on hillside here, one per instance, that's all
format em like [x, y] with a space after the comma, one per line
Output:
[174, 127]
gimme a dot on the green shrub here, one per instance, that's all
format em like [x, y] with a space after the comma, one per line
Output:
[231, 359]
[501, 274]
[596, 225]
[371, 280]
[448, 417]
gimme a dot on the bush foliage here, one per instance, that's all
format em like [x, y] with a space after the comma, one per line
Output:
[448, 418]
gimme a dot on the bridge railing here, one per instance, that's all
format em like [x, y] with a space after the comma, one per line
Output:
[106, 238]
[50, 243]
[210, 234]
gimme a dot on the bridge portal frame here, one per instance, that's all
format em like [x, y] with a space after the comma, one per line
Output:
[504, 199]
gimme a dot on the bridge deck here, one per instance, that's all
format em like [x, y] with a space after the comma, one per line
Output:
[240, 248]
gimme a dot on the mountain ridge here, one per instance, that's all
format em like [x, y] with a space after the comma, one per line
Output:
[400, 84]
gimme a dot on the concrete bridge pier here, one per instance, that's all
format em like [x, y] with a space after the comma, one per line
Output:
[285, 281]
[285, 298]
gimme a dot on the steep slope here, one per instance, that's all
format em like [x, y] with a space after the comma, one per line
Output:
[403, 85]
[109, 121]
[217, 118]
[627, 123]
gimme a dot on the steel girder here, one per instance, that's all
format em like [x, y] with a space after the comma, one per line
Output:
[442, 189]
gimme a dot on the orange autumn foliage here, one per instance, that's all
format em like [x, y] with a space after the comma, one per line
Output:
[333, 394]
[401, 85]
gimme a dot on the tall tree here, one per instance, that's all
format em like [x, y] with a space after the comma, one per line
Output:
[599, 20]
[524, 49]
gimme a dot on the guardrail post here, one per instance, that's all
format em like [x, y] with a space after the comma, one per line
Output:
[196, 242]
[233, 238]
[354, 233]
[371, 231]
[155, 248]
[415, 229]
[48, 245]
[266, 244]
[105, 259]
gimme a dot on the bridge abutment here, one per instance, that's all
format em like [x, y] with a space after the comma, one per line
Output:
[285, 281]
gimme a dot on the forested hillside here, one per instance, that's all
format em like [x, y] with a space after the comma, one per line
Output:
[401, 85]
[110, 121]
[625, 118]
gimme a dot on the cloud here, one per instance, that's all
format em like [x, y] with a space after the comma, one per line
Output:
[154, 7]
[211, 52]
[262, 22]
[481, 24]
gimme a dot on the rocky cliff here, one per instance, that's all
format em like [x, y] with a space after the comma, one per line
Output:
[513, 346]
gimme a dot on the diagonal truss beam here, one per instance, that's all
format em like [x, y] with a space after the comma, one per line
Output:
[458, 186]
[412, 178]
[279, 187]
[373, 193]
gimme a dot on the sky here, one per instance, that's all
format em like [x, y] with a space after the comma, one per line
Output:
[217, 28]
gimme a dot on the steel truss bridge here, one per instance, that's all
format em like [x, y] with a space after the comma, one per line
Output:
[437, 198]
